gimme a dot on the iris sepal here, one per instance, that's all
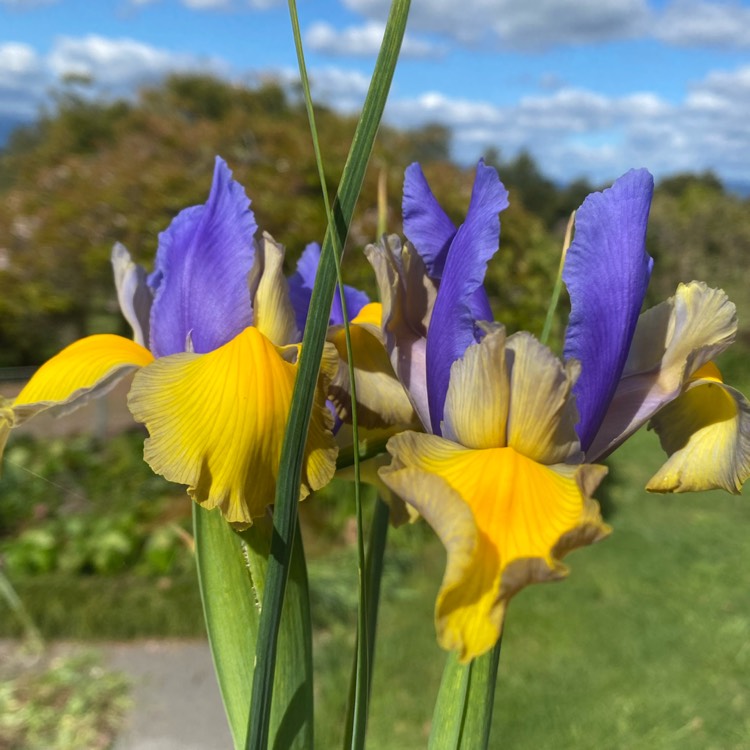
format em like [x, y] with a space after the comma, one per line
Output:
[225, 442]
[705, 432]
[84, 370]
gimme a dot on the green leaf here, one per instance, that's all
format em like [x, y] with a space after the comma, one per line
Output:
[463, 712]
[232, 574]
[287, 489]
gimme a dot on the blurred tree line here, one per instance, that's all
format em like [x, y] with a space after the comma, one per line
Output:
[90, 173]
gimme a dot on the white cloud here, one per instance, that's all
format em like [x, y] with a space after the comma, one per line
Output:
[578, 132]
[521, 24]
[118, 65]
[22, 81]
[698, 23]
[362, 41]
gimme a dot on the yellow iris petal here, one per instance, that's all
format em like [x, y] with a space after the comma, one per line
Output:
[216, 423]
[84, 369]
[706, 433]
[381, 399]
[505, 520]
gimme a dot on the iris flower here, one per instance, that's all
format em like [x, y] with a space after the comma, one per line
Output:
[654, 366]
[214, 334]
[500, 477]
[505, 477]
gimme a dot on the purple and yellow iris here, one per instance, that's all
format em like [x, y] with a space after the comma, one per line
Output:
[656, 365]
[215, 354]
[506, 474]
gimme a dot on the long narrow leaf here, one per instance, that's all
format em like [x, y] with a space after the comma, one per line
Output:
[287, 489]
[359, 706]
[232, 576]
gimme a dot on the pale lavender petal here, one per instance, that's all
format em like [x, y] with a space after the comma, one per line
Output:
[607, 270]
[301, 284]
[452, 327]
[200, 275]
[426, 225]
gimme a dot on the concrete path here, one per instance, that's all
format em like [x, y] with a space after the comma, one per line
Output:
[177, 705]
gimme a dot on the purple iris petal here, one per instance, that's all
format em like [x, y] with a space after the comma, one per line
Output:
[301, 284]
[451, 328]
[607, 271]
[431, 232]
[426, 225]
[200, 275]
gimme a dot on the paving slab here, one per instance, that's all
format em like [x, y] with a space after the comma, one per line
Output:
[176, 701]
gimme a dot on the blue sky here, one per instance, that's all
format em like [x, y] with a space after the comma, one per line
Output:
[590, 87]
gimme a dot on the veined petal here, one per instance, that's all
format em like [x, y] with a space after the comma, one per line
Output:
[269, 291]
[477, 403]
[408, 296]
[543, 414]
[671, 341]
[607, 270]
[216, 423]
[426, 225]
[381, 399]
[200, 278]
[133, 293]
[706, 433]
[301, 284]
[504, 519]
[452, 326]
[85, 369]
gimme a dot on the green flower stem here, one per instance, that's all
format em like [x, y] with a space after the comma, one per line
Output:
[232, 571]
[557, 289]
[287, 488]
[374, 574]
[463, 712]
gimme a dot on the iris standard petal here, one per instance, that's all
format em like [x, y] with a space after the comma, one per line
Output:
[133, 293]
[706, 433]
[452, 326]
[478, 398]
[301, 284]
[426, 225]
[543, 414]
[504, 519]
[83, 370]
[671, 341]
[381, 399]
[200, 277]
[216, 423]
[272, 311]
[607, 270]
[408, 297]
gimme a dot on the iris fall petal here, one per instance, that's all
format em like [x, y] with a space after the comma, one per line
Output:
[504, 519]
[85, 369]
[706, 433]
[216, 423]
